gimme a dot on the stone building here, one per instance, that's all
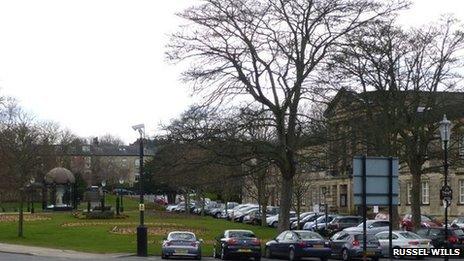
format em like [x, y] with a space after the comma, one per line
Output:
[334, 184]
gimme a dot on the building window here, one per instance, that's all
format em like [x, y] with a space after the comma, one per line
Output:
[461, 191]
[425, 192]
[408, 192]
[343, 200]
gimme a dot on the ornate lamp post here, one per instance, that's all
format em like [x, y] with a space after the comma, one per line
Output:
[32, 194]
[141, 229]
[121, 205]
[103, 184]
[446, 193]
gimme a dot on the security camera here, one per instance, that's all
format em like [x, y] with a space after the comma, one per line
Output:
[138, 126]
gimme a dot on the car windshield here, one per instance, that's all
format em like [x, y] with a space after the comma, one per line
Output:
[308, 235]
[182, 236]
[460, 220]
[241, 234]
[409, 235]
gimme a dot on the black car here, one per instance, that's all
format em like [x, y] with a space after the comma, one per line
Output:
[237, 243]
[296, 244]
[341, 222]
[437, 235]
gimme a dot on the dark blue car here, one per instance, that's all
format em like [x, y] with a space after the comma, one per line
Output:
[296, 244]
[236, 243]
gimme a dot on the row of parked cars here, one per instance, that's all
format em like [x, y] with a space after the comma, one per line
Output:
[296, 244]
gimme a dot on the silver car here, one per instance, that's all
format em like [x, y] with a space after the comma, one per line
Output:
[372, 227]
[402, 239]
[181, 244]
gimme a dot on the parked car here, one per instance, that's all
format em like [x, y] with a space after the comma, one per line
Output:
[341, 222]
[437, 236]
[237, 243]
[372, 227]
[254, 217]
[458, 222]
[230, 213]
[181, 244]
[217, 211]
[239, 215]
[296, 244]
[273, 221]
[349, 244]
[402, 239]
[319, 224]
[426, 222]
[121, 191]
[171, 208]
[308, 218]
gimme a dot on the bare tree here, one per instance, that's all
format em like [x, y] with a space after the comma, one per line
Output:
[269, 51]
[405, 81]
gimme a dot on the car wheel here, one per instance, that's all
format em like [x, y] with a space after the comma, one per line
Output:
[345, 255]
[223, 254]
[324, 258]
[375, 259]
[291, 255]
[198, 257]
[218, 215]
[267, 253]
[163, 256]
[274, 224]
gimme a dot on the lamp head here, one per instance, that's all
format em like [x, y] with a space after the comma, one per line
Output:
[121, 181]
[138, 127]
[445, 129]
[103, 183]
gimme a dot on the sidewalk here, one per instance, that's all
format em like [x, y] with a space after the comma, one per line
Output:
[49, 252]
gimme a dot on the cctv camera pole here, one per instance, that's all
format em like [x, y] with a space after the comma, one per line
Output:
[141, 229]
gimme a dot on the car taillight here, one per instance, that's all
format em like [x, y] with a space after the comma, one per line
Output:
[232, 241]
[452, 239]
[167, 243]
[256, 242]
[413, 243]
[301, 244]
[355, 243]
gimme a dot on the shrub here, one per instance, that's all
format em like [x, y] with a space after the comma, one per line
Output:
[108, 214]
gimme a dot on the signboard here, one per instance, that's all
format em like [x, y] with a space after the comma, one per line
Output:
[446, 193]
[141, 207]
[377, 171]
[376, 209]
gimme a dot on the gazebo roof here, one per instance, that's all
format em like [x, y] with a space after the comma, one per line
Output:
[59, 176]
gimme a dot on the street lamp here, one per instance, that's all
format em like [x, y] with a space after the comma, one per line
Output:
[119, 203]
[32, 194]
[446, 191]
[103, 184]
[141, 229]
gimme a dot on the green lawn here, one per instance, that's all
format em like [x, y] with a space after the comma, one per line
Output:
[64, 231]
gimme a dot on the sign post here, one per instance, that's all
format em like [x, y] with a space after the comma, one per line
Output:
[375, 184]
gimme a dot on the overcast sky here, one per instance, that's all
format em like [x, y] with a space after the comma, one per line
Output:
[97, 66]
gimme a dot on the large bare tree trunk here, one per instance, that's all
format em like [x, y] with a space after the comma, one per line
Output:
[416, 198]
[285, 203]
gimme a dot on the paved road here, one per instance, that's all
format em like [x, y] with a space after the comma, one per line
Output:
[20, 257]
